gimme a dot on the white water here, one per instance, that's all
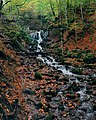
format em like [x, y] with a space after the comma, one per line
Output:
[39, 48]
[48, 60]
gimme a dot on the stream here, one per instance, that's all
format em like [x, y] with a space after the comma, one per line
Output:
[76, 84]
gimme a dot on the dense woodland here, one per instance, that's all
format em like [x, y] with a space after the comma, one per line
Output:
[47, 59]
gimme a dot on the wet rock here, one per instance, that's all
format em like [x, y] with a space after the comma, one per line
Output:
[46, 108]
[53, 105]
[50, 117]
[33, 79]
[93, 82]
[94, 93]
[77, 71]
[42, 87]
[35, 69]
[50, 75]
[61, 107]
[57, 77]
[81, 113]
[48, 97]
[49, 91]
[86, 98]
[75, 87]
[57, 98]
[38, 105]
[41, 116]
[89, 92]
[75, 118]
[37, 88]
[91, 116]
[70, 96]
[86, 107]
[94, 105]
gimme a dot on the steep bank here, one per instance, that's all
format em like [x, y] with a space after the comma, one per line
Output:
[75, 52]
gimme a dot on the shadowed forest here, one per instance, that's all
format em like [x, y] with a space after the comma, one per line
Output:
[47, 59]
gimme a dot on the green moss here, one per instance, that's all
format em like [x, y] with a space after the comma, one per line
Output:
[77, 71]
[38, 75]
[50, 117]
[89, 59]
[58, 51]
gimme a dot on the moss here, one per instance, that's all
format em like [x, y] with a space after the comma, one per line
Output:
[50, 117]
[89, 59]
[68, 53]
[77, 71]
[58, 51]
[29, 92]
[38, 75]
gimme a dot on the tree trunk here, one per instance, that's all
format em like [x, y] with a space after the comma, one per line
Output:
[53, 12]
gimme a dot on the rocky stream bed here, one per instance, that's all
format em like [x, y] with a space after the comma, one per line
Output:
[61, 95]
[50, 91]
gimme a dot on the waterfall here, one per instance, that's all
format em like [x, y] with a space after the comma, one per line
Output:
[39, 48]
[39, 36]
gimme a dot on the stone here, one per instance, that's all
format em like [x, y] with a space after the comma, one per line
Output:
[28, 91]
[57, 98]
[53, 105]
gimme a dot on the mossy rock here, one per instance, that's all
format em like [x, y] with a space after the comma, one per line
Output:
[3, 55]
[30, 92]
[77, 71]
[50, 117]
[89, 59]
[38, 75]
[58, 51]
[3, 115]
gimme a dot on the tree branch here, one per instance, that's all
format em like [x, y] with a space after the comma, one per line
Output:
[22, 3]
[5, 3]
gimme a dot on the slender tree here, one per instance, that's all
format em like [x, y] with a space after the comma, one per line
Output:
[52, 8]
[81, 9]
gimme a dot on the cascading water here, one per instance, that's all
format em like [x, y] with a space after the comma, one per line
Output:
[38, 36]
[48, 60]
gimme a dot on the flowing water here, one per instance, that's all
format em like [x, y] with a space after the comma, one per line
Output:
[85, 110]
